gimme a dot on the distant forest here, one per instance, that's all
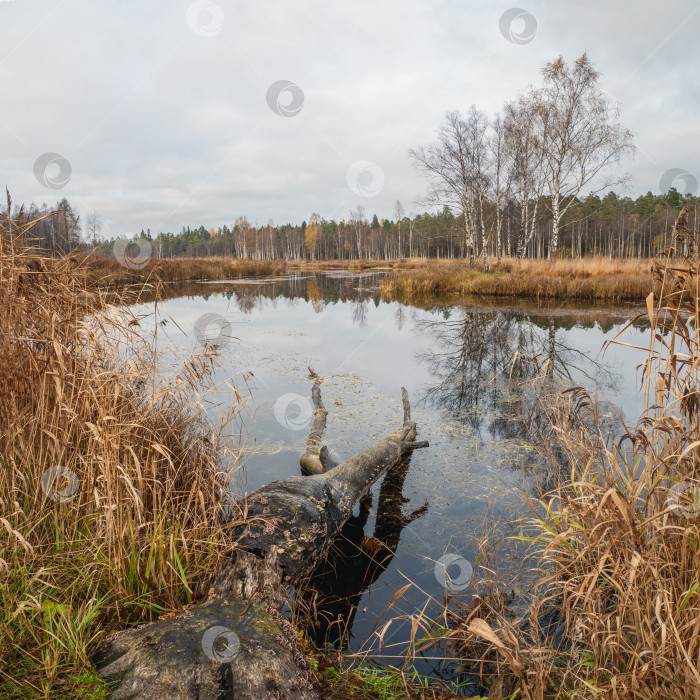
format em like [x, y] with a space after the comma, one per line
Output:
[612, 226]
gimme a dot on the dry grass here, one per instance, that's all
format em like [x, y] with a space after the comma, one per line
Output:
[111, 486]
[368, 683]
[589, 278]
[317, 265]
[616, 538]
[110, 272]
[106, 271]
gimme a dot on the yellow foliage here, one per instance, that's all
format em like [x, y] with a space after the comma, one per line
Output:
[313, 231]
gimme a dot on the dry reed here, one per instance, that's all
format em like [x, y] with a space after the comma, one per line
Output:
[111, 485]
[106, 271]
[590, 278]
[618, 541]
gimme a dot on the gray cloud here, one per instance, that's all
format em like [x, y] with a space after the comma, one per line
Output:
[164, 126]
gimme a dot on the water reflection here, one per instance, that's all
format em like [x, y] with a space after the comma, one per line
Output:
[320, 289]
[356, 560]
[483, 364]
[466, 365]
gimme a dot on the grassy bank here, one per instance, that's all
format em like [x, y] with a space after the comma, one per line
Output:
[366, 683]
[415, 278]
[590, 278]
[111, 489]
[109, 271]
[105, 271]
[110, 485]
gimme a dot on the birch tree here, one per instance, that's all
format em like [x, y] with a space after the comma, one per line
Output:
[477, 127]
[448, 164]
[94, 226]
[399, 214]
[497, 144]
[579, 135]
[524, 156]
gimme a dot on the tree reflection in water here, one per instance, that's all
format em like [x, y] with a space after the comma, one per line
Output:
[489, 368]
[356, 561]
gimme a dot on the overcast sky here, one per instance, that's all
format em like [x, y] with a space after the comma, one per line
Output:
[164, 113]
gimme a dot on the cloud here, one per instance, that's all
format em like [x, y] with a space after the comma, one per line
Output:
[165, 126]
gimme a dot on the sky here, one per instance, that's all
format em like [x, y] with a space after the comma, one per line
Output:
[163, 113]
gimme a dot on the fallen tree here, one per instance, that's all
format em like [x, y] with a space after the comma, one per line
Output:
[355, 561]
[236, 643]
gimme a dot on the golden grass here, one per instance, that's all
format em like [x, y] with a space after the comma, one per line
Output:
[590, 278]
[111, 491]
[106, 271]
[317, 265]
[111, 486]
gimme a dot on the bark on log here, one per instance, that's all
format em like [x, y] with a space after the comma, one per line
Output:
[237, 644]
[196, 655]
[304, 514]
[356, 560]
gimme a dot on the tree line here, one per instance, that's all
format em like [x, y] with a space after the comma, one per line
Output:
[611, 225]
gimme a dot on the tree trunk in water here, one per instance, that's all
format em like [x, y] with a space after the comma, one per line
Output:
[356, 561]
[237, 644]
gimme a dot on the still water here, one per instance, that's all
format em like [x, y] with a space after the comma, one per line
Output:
[456, 359]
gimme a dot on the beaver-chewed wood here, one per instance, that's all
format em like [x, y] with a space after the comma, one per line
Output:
[237, 644]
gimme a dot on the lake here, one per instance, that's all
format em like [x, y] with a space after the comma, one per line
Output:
[463, 363]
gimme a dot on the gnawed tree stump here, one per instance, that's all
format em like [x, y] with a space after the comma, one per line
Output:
[237, 644]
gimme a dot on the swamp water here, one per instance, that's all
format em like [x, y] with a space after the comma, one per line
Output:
[455, 359]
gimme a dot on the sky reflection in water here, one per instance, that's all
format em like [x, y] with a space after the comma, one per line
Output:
[453, 360]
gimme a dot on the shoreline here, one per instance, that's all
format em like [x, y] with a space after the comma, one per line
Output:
[594, 279]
